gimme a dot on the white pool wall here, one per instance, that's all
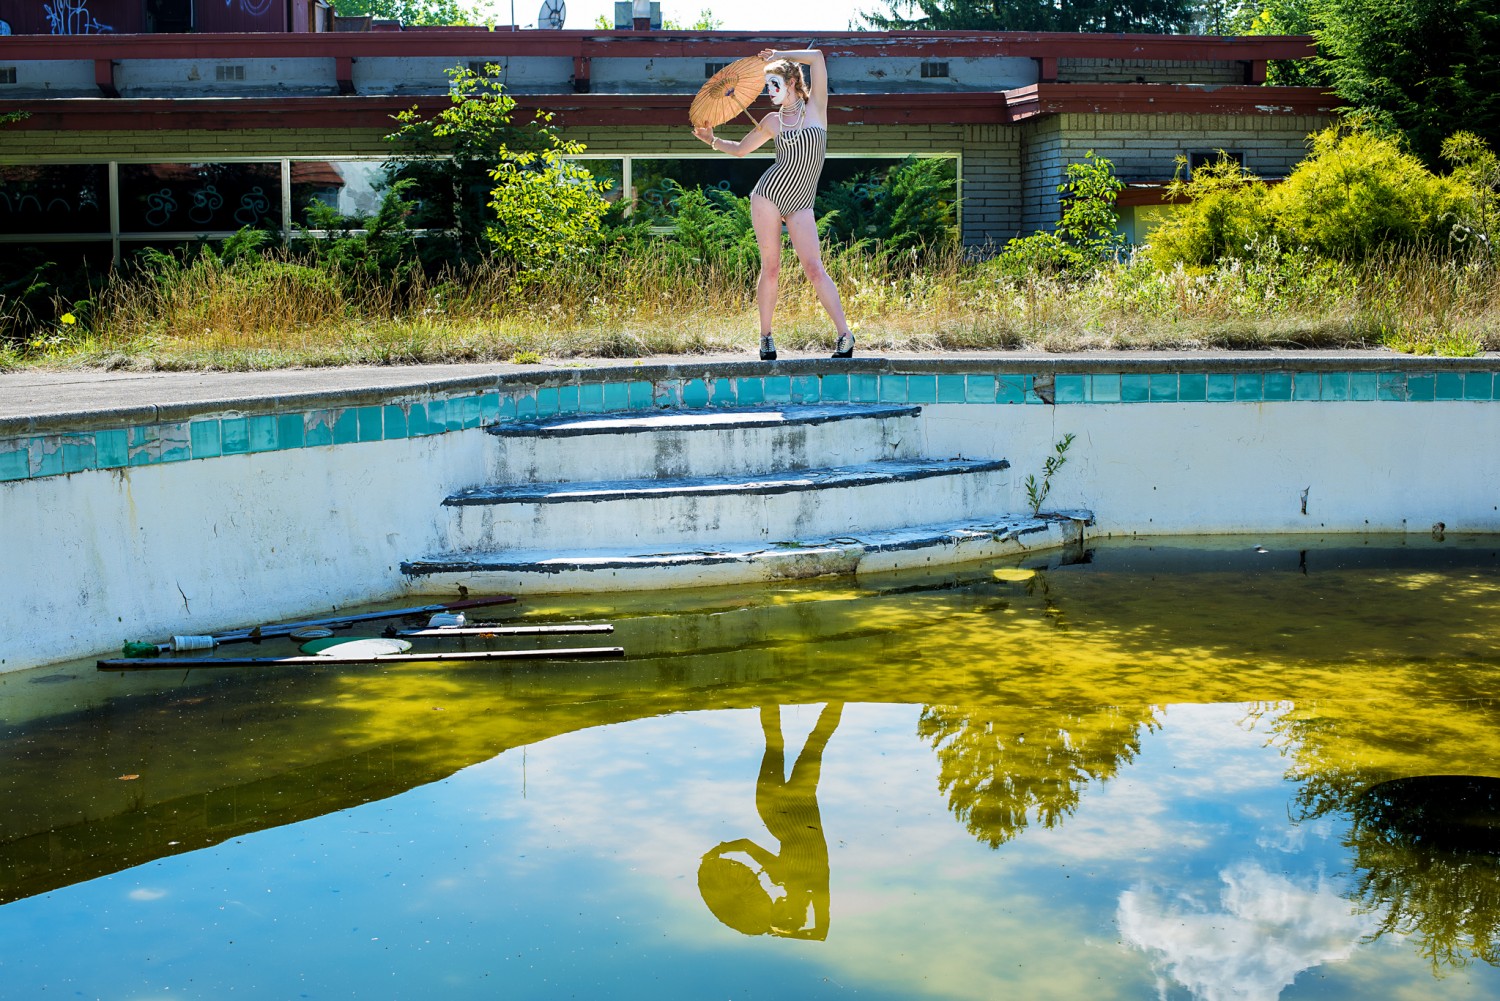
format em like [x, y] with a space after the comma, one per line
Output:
[118, 528]
[1195, 469]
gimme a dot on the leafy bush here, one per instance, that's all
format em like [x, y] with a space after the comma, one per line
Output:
[488, 185]
[1225, 216]
[1357, 193]
[1086, 235]
[384, 251]
[712, 228]
[912, 205]
[1477, 168]
[546, 208]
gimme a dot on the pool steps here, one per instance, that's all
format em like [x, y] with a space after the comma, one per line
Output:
[666, 444]
[729, 496]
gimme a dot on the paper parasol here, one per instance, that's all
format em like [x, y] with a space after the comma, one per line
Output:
[728, 92]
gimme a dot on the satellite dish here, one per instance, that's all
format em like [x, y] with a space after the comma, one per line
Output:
[552, 14]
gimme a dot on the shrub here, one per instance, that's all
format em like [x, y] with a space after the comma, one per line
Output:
[1358, 191]
[1224, 215]
[546, 208]
[489, 185]
[1086, 235]
[384, 252]
[912, 205]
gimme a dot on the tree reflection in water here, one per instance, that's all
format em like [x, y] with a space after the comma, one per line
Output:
[999, 765]
[1427, 863]
[795, 904]
[1424, 850]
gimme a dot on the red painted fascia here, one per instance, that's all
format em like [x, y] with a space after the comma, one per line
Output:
[1164, 99]
[376, 112]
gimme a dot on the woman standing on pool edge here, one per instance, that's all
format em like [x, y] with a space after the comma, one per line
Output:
[785, 192]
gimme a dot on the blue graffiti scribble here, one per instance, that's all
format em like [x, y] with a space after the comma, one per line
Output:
[206, 202]
[252, 206]
[72, 17]
[160, 207]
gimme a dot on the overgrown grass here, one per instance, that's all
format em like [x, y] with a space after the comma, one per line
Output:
[277, 310]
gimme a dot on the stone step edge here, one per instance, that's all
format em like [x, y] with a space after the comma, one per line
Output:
[755, 484]
[1007, 529]
[702, 419]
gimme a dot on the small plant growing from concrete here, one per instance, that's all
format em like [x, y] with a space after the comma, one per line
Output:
[1036, 492]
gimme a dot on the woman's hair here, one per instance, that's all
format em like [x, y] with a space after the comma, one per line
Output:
[790, 72]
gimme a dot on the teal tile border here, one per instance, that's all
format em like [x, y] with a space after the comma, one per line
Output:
[35, 455]
[15, 460]
[1070, 389]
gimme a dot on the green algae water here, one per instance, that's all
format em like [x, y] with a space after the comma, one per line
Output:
[1228, 769]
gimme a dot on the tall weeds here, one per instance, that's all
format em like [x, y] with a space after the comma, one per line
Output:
[278, 309]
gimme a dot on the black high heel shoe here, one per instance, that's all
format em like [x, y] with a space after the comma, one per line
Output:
[844, 346]
[767, 347]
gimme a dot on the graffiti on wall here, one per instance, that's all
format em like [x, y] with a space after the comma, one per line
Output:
[255, 8]
[72, 17]
[252, 209]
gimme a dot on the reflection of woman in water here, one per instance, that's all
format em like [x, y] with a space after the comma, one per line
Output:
[789, 808]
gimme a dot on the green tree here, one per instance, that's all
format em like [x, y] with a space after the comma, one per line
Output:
[1088, 231]
[1424, 68]
[1281, 17]
[416, 12]
[480, 179]
[546, 206]
[1148, 16]
[1005, 768]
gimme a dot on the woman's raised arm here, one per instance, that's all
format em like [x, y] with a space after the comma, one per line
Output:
[817, 83]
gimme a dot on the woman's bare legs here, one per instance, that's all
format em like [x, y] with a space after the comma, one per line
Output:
[803, 229]
[766, 219]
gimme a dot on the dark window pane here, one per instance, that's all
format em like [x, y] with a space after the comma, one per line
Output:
[656, 180]
[72, 198]
[199, 197]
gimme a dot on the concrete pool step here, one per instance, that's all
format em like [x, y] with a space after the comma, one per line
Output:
[670, 443]
[865, 551]
[782, 505]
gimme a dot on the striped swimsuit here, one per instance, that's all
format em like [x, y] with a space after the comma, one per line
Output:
[793, 179]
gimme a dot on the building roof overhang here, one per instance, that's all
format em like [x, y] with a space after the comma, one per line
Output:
[577, 110]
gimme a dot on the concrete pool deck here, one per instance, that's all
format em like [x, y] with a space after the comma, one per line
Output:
[37, 399]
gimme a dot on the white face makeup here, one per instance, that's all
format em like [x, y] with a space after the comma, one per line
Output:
[776, 84]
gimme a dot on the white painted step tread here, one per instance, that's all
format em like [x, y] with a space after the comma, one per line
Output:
[787, 481]
[1016, 526]
[716, 419]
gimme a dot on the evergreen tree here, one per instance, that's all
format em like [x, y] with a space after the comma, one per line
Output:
[1424, 68]
[1132, 16]
[412, 12]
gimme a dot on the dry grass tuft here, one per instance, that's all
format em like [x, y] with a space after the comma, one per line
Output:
[280, 311]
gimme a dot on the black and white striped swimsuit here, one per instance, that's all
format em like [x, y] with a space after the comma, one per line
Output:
[793, 179]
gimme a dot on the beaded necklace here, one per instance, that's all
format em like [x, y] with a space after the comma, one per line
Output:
[801, 116]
